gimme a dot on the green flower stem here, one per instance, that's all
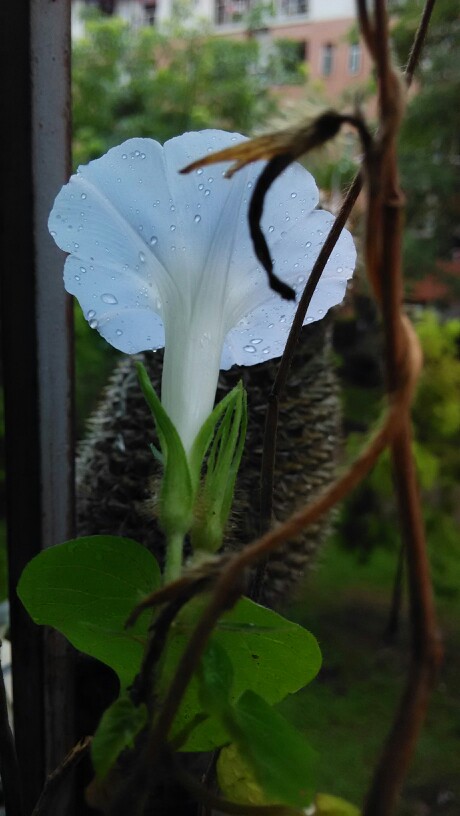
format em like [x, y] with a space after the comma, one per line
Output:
[173, 562]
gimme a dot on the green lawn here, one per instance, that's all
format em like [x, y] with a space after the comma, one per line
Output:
[347, 710]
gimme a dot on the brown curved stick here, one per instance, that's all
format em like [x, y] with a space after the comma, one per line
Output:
[59, 775]
[419, 41]
[367, 30]
[384, 267]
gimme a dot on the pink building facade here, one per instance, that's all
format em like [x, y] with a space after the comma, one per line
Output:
[324, 30]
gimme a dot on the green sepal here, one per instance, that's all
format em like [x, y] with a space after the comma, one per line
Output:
[86, 588]
[119, 726]
[206, 433]
[176, 495]
[214, 500]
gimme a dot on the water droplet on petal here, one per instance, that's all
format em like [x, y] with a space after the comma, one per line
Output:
[77, 277]
[82, 268]
[142, 155]
[256, 340]
[118, 332]
[271, 229]
[270, 325]
[293, 195]
[283, 319]
[309, 320]
[108, 298]
[308, 244]
[124, 156]
[197, 219]
[249, 184]
[210, 180]
[76, 246]
[320, 311]
[172, 208]
[340, 269]
[199, 172]
[137, 152]
[141, 257]
[249, 349]
[53, 233]
[266, 350]
[83, 196]
[201, 186]
[93, 324]
[207, 192]
[172, 227]
[91, 314]
[300, 278]
[153, 240]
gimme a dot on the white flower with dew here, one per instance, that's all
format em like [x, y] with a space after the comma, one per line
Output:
[162, 259]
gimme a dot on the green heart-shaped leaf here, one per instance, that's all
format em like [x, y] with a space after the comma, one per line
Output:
[86, 588]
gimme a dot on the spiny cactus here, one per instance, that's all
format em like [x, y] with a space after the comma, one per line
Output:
[117, 475]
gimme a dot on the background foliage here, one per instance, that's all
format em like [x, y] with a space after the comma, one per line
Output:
[430, 138]
[148, 83]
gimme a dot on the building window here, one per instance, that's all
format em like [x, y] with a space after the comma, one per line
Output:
[230, 11]
[150, 12]
[219, 12]
[290, 8]
[106, 6]
[327, 59]
[354, 58]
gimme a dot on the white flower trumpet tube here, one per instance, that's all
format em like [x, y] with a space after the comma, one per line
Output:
[158, 258]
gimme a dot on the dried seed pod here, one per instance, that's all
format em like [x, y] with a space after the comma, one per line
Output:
[117, 476]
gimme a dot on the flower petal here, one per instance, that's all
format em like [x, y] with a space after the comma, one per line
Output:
[260, 318]
[147, 243]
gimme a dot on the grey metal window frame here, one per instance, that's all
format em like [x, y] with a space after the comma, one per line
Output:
[37, 364]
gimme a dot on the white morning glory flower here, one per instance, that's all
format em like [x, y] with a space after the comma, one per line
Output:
[158, 258]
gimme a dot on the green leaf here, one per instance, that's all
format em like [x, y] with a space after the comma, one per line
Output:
[117, 730]
[269, 654]
[327, 805]
[215, 677]
[86, 589]
[280, 756]
[237, 780]
[177, 494]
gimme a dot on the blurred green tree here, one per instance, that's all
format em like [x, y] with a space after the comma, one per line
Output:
[368, 516]
[143, 82]
[430, 137]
